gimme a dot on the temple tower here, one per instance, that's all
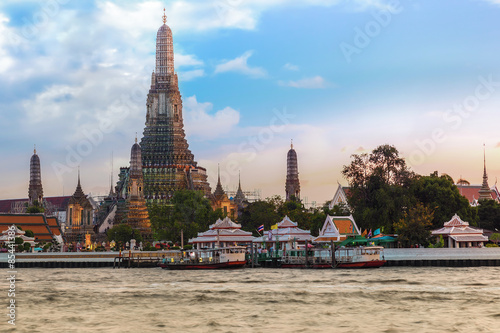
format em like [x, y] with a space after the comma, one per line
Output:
[485, 191]
[35, 191]
[240, 196]
[80, 215]
[292, 186]
[137, 212]
[168, 164]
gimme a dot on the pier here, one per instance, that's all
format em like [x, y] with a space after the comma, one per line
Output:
[419, 257]
[444, 257]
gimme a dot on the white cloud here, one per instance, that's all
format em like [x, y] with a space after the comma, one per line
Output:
[316, 82]
[200, 122]
[191, 75]
[184, 60]
[240, 65]
[291, 67]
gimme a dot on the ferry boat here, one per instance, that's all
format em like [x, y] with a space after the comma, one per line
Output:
[226, 257]
[345, 257]
[359, 257]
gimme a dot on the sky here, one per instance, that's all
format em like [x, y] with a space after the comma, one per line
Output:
[338, 77]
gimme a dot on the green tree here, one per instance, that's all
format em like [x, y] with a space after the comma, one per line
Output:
[258, 213]
[123, 233]
[189, 211]
[29, 233]
[379, 187]
[414, 227]
[27, 246]
[489, 214]
[443, 197]
[495, 238]
[36, 208]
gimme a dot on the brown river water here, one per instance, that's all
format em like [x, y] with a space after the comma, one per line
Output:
[392, 299]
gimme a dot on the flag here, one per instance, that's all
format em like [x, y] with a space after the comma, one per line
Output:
[364, 233]
[376, 232]
[260, 228]
[274, 226]
[369, 234]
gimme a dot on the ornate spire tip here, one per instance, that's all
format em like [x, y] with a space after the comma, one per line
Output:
[164, 17]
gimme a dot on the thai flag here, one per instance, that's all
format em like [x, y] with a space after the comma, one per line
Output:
[260, 228]
[369, 234]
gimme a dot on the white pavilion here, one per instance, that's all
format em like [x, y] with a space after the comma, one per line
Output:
[288, 235]
[457, 233]
[223, 233]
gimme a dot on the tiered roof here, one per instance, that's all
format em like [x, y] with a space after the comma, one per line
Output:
[287, 231]
[460, 230]
[43, 228]
[223, 231]
[337, 228]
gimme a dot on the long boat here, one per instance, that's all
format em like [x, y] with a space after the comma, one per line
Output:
[345, 257]
[219, 258]
[359, 257]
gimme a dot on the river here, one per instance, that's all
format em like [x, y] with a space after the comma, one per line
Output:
[392, 299]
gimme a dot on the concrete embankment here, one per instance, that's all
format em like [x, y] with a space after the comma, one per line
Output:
[84, 259]
[447, 257]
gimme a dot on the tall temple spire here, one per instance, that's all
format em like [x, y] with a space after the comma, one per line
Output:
[292, 185]
[167, 162]
[136, 210]
[78, 191]
[35, 191]
[485, 191]
[240, 196]
[219, 191]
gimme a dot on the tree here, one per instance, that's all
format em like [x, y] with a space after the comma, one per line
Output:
[123, 233]
[379, 187]
[189, 211]
[443, 197]
[29, 233]
[258, 213]
[414, 227]
[36, 208]
[495, 238]
[488, 212]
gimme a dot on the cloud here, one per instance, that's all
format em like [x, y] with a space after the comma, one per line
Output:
[191, 75]
[291, 67]
[184, 60]
[240, 65]
[201, 123]
[316, 82]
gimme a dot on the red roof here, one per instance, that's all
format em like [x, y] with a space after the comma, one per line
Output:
[471, 192]
[35, 222]
[59, 202]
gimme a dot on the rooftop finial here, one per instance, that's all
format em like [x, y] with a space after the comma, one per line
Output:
[218, 173]
[34, 149]
[291, 144]
[135, 137]
[164, 17]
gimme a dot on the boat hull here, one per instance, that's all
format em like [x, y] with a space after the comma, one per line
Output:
[362, 264]
[221, 265]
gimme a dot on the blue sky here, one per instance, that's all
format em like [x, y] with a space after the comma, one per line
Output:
[337, 77]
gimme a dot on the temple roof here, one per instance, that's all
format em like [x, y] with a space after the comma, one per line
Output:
[287, 223]
[37, 223]
[225, 224]
[457, 226]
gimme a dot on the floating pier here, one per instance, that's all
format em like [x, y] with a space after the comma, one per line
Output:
[443, 257]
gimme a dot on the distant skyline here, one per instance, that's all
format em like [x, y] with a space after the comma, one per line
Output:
[337, 77]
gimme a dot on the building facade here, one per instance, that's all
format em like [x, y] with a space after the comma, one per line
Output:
[168, 164]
